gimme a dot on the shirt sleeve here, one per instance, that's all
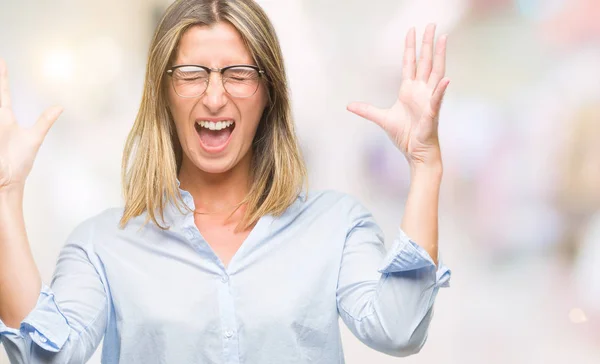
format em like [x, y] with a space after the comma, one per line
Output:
[69, 319]
[386, 298]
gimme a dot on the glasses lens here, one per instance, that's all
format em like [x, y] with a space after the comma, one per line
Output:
[190, 81]
[241, 81]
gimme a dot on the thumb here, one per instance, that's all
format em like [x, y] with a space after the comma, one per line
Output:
[368, 112]
[47, 119]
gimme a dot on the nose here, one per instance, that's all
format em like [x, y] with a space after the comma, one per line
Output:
[215, 96]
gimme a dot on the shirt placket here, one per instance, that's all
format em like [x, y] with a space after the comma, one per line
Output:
[229, 333]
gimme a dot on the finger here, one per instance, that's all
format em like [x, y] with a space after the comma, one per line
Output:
[424, 66]
[368, 112]
[408, 66]
[438, 96]
[4, 91]
[47, 119]
[439, 62]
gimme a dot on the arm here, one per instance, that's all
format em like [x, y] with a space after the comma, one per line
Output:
[39, 324]
[391, 312]
[20, 281]
[69, 318]
[19, 277]
[386, 299]
[420, 220]
[412, 124]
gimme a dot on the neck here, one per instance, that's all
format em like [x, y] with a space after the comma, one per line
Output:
[216, 192]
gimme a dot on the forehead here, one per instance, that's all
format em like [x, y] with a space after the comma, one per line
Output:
[216, 45]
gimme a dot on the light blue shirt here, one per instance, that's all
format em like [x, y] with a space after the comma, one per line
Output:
[165, 297]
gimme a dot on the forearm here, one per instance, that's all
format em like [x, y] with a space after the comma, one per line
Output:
[385, 297]
[420, 220]
[20, 281]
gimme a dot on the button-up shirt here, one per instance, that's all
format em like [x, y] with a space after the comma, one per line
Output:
[164, 296]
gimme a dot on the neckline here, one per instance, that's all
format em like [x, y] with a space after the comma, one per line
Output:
[255, 233]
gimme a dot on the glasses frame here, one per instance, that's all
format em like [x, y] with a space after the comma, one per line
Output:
[170, 72]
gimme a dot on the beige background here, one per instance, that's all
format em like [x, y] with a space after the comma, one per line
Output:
[524, 265]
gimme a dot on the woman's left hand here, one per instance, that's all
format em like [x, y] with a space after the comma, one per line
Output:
[412, 122]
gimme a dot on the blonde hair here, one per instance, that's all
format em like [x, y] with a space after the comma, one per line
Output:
[153, 154]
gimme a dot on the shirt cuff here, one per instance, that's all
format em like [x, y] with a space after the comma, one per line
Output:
[45, 325]
[406, 255]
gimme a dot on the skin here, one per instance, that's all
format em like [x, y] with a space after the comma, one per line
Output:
[412, 124]
[216, 181]
[20, 281]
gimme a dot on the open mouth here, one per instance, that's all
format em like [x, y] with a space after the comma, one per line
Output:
[214, 135]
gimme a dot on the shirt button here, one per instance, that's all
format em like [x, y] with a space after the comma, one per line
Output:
[228, 334]
[225, 279]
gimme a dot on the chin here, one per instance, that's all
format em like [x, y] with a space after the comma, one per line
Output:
[213, 164]
[218, 166]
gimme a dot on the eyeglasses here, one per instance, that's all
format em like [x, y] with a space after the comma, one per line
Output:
[240, 81]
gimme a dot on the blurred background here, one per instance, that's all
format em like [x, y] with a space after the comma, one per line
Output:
[520, 132]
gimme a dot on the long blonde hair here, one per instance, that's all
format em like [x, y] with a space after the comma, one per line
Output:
[153, 154]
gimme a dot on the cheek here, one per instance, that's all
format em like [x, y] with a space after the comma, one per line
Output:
[257, 107]
[253, 113]
[174, 104]
[179, 109]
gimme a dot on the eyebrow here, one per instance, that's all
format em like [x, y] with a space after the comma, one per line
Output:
[224, 64]
[221, 66]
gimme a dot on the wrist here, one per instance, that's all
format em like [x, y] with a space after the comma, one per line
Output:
[11, 193]
[431, 172]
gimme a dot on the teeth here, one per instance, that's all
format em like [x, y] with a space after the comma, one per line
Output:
[219, 125]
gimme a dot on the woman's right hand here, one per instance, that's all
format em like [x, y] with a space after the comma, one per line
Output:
[18, 145]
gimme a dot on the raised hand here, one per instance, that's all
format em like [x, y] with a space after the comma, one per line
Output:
[18, 145]
[412, 122]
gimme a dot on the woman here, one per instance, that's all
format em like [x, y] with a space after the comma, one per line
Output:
[218, 255]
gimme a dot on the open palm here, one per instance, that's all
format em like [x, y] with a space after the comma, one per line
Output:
[412, 122]
[18, 145]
